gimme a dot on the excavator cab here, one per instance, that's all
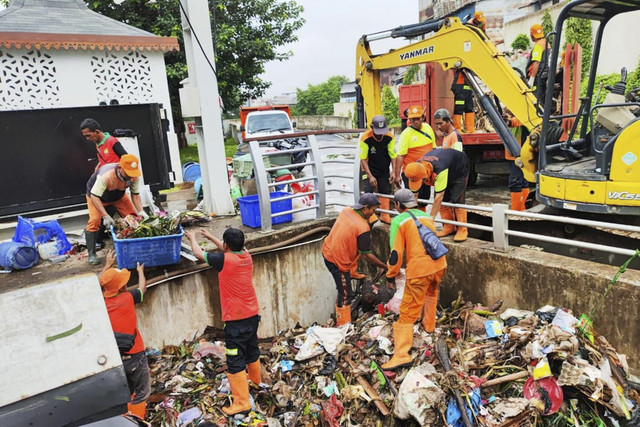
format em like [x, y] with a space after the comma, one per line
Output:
[596, 167]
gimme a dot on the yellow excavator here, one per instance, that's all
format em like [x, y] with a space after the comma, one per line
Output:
[596, 169]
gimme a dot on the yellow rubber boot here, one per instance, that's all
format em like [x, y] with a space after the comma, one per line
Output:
[343, 315]
[517, 203]
[470, 122]
[457, 122]
[254, 372]
[429, 312]
[462, 233]
[384, 204]
[239, 393]
[402, 342]
[447, 229]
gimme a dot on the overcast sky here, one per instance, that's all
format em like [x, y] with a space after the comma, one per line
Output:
[326, 43]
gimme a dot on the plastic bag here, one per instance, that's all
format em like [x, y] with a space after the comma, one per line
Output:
[394, 303]
[26, 234]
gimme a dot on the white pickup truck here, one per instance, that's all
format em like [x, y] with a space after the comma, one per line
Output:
[265, 121]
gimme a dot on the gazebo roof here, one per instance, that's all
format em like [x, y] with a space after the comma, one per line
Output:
[69, 24]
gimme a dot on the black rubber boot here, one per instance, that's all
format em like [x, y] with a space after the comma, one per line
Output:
[90, 238]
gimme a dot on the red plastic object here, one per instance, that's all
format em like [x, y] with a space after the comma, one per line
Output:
[381, 309]
[545, 390]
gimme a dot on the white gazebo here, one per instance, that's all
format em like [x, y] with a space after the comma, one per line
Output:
[58, 53]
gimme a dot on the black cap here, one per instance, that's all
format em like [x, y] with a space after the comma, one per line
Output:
[367, 199]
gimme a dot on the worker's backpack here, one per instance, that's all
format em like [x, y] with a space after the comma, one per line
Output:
[432, 244]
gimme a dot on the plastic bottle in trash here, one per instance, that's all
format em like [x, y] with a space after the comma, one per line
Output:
[48, 250]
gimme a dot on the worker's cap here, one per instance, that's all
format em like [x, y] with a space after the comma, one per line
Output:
[415, 112]
[416, 172]
[112, 280]
[479, 16]
[536, 31]
[131, 165]
[442, 114]
[367, 199]
[405, 197]
[379, 125]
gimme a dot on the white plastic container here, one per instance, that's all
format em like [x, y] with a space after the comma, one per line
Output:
[48, 250]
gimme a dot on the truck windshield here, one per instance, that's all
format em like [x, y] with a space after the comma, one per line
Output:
[268, 123]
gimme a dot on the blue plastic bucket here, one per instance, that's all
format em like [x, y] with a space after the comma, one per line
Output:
[191, 171]
[17, 256]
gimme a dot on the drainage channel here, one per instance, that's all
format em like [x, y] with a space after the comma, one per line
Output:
[565, 231]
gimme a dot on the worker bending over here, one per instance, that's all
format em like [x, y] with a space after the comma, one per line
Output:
[447, 170]
[452, 138]
[423, 276]
[239, 311]
[107, 186]
[413, 143]
[377, 153]
[122, 315]
[349, 238]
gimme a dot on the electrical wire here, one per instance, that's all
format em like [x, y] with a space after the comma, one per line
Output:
[186, 16]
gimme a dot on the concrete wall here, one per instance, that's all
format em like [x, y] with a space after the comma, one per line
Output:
[294, 286]
[291, 285]
[322, 122]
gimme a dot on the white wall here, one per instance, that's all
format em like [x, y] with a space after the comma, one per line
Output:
[72, 78]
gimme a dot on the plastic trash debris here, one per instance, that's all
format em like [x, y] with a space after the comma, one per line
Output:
[320, 340]
[545, 394]
[332, 411]
[420, 398]
[493, 328]
[329, 365]
[565, 321]
[518, 314]
[189, 416]
[205, 348]
[286, 365]
[454, 417]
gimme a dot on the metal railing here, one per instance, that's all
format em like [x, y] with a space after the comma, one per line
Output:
[317, 177]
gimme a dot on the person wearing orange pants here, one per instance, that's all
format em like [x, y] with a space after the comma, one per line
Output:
[239, 312]
[108, 186]
[120, 305]
[377, 153]
[424, 275]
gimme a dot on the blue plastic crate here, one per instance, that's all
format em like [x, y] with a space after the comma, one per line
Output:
[152, 251]
[250, 209]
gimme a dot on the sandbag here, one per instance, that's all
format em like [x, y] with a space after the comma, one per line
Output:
[17, 256]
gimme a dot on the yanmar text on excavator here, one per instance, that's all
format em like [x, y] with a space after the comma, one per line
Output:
[594, 166]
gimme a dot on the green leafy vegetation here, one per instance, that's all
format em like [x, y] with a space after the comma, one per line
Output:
[410, 75]
[521, 42]
[246, 34]
[547, 23]
[190, 152]
[390, 107]
[318, 100]
[579, 31]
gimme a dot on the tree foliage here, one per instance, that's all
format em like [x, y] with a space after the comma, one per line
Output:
[410, 75]
[246, 34]
[579, 31]
[547, 23]
[318, 100]
[520, 42]
[390, 107]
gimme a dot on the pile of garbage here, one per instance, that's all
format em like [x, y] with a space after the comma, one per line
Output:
[159, 224]
[479, 368]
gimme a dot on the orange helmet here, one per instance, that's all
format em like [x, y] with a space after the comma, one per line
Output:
[479, 16]
[536, 31]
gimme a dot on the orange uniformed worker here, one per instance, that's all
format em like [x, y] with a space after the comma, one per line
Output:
[518, 185]
[423, 276]
[452, 138]
[414, 141]
[107, 186]
[349, 239]
[122, 314]
[539, 54]
[239, 311]
[479, 21]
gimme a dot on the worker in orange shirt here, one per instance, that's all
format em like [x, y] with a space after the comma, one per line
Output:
[479, 21]
[348, 240]
[451, 137]
[122, 315]
[417, 139]
[423, 276]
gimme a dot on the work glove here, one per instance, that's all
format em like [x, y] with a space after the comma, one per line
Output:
[107, 221]
[143, 215]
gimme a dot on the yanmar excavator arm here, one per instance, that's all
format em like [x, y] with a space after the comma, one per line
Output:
[453, 45]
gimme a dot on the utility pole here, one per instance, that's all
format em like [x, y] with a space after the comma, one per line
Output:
[199, 99]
